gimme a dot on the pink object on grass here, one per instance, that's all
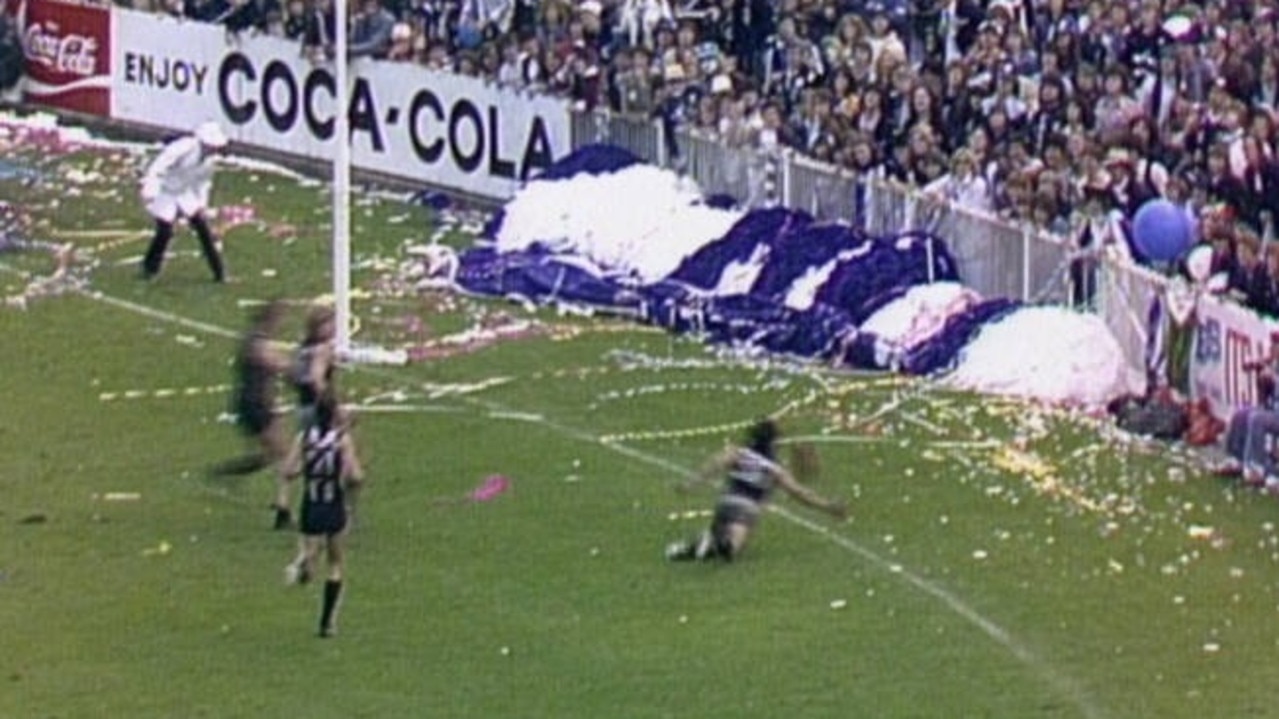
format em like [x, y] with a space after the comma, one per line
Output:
[494, 485]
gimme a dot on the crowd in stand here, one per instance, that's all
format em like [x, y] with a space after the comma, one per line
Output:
[1048, 111]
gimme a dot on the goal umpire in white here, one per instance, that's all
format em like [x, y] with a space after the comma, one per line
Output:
[177, 184]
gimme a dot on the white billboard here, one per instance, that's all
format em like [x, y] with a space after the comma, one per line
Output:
[406, 121]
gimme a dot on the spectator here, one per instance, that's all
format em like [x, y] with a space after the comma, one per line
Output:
[837, 48]
[1260, 184]
[1266, 96]
[734, 128]
[11, 56]
[1048, 119]
[319, 29]
[882, 37]
[776, 133]
[1263, 290]
[245, 15]
[963, 186]
[401, 48]
[816, 126]
[871, 121]
[639, 20]
[371, 32]
[294, 26]
[1222, 186]
[510, 73]
[864, 160]
[1131, 185]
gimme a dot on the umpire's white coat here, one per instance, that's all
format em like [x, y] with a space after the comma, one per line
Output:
[179, 180]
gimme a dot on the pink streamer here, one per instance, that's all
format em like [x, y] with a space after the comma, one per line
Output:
[493, 486]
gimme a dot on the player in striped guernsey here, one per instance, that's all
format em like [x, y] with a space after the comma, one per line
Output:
[751, 475]
[324, 457]
[314, 362]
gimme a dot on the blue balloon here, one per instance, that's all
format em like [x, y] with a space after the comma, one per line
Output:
[1162, 231]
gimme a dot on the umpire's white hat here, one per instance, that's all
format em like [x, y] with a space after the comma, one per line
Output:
[210, 134]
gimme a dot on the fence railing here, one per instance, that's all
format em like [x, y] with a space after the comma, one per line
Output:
[1125, 293]
[995, 257]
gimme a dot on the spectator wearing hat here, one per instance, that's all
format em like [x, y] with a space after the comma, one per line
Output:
[1129, 188]
[177, 185]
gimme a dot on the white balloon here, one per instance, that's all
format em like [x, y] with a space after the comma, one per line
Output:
[1199, 263]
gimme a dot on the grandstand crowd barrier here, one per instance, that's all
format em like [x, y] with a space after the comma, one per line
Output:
[469, 136]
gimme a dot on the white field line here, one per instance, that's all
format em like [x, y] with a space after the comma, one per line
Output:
[145, 311]
[1067, 687]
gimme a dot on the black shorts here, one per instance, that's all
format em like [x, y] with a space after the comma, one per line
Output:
[322, 519]
[736, 509]
[254, 418]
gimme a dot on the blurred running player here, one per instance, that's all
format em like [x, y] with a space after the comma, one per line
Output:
[258, 365]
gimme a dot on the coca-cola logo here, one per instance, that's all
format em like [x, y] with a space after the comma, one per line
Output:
[70, 53]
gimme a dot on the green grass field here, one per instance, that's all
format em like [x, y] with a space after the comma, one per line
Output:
[1002, 560]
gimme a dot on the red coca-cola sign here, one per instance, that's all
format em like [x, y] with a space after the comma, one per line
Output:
[68, 49]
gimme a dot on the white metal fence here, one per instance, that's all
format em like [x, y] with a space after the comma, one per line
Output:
[1125, 293]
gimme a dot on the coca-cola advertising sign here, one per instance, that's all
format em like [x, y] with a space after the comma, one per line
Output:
[68, 49]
